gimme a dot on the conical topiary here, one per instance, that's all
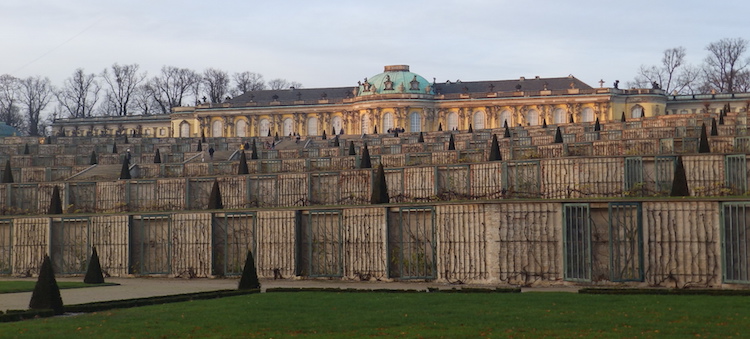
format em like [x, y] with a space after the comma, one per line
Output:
[55, 204]
[471, 130]
[324, 135]
[703, 146]
[249, 278]
[451, 143]
[571, 119]
[8, 173]
[247, 145]
[365, 162]
[351, 148]
[421, 137]
[203, 135]
[440, 127]
[375, 130]
[558, 136]
[242, 169]
[597, 126]
[157, 157]
[495, 150]
[46, 293]
[341, 131]
[94, 273]
[336, 142]
[26, 149]
[114, 148]
[333, 131]
[544, 123]
[200, 147]
[214, 200]
[125, 170]
[93, 160]
[507, 132]
[254, 153]
[276, 137]
[714, 129]
[505, 123]
[379, 188]
[269, 133]
[622, 117]
[126, 139]
[721, 119]
[395, 134]
[679, 182]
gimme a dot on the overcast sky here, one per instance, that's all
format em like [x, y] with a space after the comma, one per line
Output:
[337, 43]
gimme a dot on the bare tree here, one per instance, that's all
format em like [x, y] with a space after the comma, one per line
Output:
[216, 84]
[145, 100]
[248, 81]
[10, 111]
[79, 94]
[665, 75]
[36, 93]
[121, 83]
[172, 86]
[688, 81]
[725, 69]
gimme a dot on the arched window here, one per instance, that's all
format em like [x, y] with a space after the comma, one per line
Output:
[452, 121]
[241, 128]
[684, 111]
[479, 120]
[558, 116]
[636, 112]
[505, 117]
[337, 123]
[365, 124]
[217, 128]
[287, 127]
[532, 117]
[312, 126]
[184, 130]
[587, 115]
[415, 122]
[387, 121]
[265, 127]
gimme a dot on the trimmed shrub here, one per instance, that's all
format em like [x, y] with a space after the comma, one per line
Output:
[55, 204]
[214, 200]
[375, 130]
[324, 135]
[379, 188]
[558, 136]
[365, 162]
[269, 133]
[421, 137]
[679, 183]
[200, 147]
[336, 142]
[46, 293]
[26, 149]
[94, 273]
[125, 170]
[242, 169]
[395, 134]
[157, 157]
[440, 127]
[622, 117]
[495, 150]
[451, 143]
[544, 123]
[114, 148]
[341, 131]
[571, 119]
[254, 154]
[714, 129]
[249, 278]
[8, 173]
[471, 130]
[203, 135]
[505, 124]
[507, 131]
[93, 160]
[351, 148]
[276, 137]
[703, 146]
[126, 139]
[597, 126]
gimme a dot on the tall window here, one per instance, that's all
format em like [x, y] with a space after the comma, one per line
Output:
[216, 129]
[312, 126]
[587, 115]
[415, 121]
[288, 126]
[558, 116]
[265, 126]
[241, 126]
[184, 130]
[636, 112]
[365, 126]
[532, 117]
[387, 121]
[505, 117]
[479, 120]
[337, 124]
[452, 121]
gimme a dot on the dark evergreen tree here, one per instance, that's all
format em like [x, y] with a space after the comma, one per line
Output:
[157, 157]
[622, 117]
[495, 150]
[126, 139]
[351, 148]
[94, 273]
[125, 170]
[597, 126]
[558, 136]
[721, 119]
[254, 155]
[421, 137]
[395, 134]
[379, 188]
[46, 293]
[679, 183]
[276, 137]
[249, 279]
[451, 143]
[544, 123]
[242, 169]
[93, 160]
[55, 204]
[247, 145]
[703, 146]
[375, 130]
[365, 162]
[505, 123]
[440, 127]
[114, 148]
[571, 119]
[507, 132]
[269, 132]
[214, 200]
[8, 173]
[336, 142]
[471, 130]
[324, 135]
[203, 135]
[341, 131]
[714, 129]
[200, 147]
[26, 149]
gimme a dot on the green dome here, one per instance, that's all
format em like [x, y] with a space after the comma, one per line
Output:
[395, 79]
[6, 131]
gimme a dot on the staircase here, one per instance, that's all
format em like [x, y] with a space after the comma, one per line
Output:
[98, 173]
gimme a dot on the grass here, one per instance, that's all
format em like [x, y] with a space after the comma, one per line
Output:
[28, 286]
[411, 315]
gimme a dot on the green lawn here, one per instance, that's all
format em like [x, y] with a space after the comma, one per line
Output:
[411, 315]
[28, 286]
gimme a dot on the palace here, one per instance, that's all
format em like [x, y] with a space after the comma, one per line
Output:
[399, 98]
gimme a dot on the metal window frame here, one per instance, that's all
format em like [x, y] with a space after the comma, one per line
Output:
[583, 253]
[614, 209]
[727, 245]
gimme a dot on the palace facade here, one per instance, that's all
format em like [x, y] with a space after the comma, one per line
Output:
[400, 99]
